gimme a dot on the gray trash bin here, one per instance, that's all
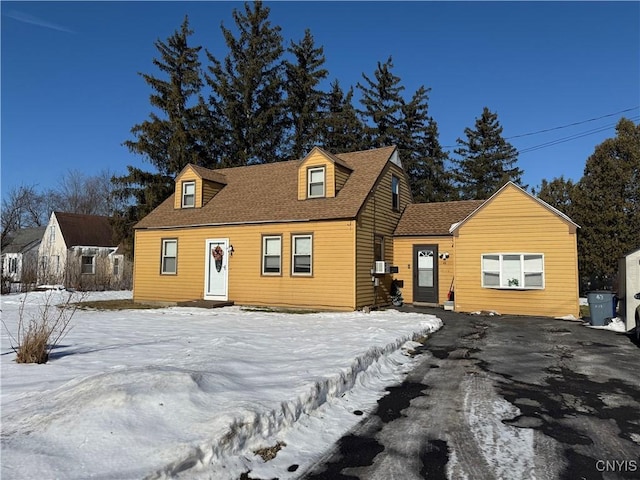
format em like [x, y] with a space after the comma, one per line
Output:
[601, 307]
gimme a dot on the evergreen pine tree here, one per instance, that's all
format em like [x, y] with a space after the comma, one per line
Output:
[487, 161]
[168, 142]
[421, 152]
[172, 142]
[341, 130]
[382, 102]
[247, 90]
[606, 205]
[303, 97]
[558, 193]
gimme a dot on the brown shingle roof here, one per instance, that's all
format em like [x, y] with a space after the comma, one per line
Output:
[269, 193]
[208, 174]
[85, 230]
[434, 218]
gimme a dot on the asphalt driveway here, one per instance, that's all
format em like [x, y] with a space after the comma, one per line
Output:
[504, 397]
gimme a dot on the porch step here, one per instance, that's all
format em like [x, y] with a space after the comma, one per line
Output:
[204, 303]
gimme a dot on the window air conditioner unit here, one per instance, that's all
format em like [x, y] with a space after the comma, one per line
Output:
[382, 268]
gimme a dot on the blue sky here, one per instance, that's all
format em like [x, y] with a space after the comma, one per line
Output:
[71, 90]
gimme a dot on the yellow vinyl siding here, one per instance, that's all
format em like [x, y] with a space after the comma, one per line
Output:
[514, 222]
[378, 217]
[341, 177]
[403, 258]
[330, 286]
[209, 189]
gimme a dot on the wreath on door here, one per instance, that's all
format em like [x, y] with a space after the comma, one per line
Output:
[217, 254]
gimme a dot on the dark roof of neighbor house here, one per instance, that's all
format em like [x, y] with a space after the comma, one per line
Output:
[269, 193]
[85, 230]
[434, 218]
[23, 239]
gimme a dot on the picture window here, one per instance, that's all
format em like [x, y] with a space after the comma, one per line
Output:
[520, 271]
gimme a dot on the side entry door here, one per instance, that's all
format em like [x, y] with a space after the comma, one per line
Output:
[425, 273]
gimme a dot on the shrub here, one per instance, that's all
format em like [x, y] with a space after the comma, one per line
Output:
[43, 331]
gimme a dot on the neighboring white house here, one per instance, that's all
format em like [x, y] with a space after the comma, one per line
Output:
[628, 287]
[20, 258]
[78, 251]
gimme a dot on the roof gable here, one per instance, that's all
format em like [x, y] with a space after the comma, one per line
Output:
[329, 156]
[85, 230]
[512, 185]
[269, 193]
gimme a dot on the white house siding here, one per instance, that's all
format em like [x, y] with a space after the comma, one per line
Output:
[52, 254]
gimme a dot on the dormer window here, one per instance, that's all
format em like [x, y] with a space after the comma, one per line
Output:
[188, 194]
[315, 182]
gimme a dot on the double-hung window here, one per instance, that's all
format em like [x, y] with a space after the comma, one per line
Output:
[188, 194]
[395, 193]
[522, 271]
[271, 255]
[315, 182]
[302, 253]
[169, 261]
[88, 265]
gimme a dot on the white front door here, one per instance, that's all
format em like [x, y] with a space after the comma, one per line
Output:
[216, 273]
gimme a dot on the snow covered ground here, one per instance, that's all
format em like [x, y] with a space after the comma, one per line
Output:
[193, 393]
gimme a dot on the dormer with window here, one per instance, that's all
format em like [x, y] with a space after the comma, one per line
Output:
[195, 186]
[321, 175]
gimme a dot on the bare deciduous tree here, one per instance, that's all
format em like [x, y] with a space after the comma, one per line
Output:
[26, 206]
[86, 194]
[23, 207]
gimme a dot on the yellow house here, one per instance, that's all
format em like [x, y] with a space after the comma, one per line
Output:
[512, 253]
[304, 233]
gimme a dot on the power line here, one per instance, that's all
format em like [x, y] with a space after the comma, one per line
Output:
[569, 138]
[572, 124]
[572, 137]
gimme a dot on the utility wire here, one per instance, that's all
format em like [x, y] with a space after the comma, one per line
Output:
[572, 124]
[572, 137]
[569, 138]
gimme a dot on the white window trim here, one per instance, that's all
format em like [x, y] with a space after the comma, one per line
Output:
[13, 264]
[264, 254]
[519, 283]
[163, 256]
[82, 264]
[324, 182]
[293, 255]
[185, 195]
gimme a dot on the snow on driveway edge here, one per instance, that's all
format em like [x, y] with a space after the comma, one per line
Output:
[247, 431]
